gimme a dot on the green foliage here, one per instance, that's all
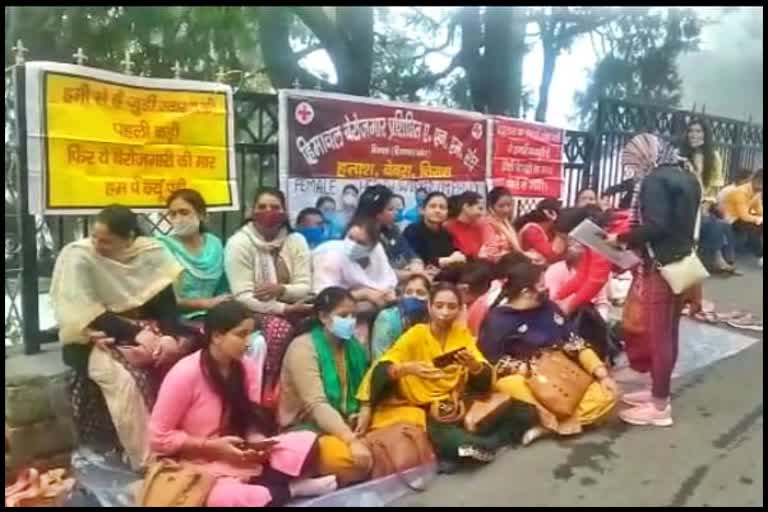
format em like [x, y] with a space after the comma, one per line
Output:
[638, 60]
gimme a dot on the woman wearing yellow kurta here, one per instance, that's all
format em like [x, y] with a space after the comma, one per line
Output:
[526, 324]
[405, 385]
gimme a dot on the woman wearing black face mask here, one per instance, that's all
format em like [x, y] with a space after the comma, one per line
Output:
[524, 326]
[268, 268]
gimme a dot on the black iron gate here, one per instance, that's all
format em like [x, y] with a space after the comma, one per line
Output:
[32, 242]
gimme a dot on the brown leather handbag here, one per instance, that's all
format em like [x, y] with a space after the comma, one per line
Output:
[633, 313]
[172, 484]
[558, 383]
[398, 448]
[484, 410]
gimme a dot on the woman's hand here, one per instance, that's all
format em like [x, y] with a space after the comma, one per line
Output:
[167, 352]
[363, 420]
[612, 239]
[419, 369]
[100, 339]
[268, 291]
[535, 257]
[299, 309]
[609, 385]
[467, 360]
[225, 448]
[360, 453]
[215, 301]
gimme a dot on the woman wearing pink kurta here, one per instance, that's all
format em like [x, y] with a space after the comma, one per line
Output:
[207, 407]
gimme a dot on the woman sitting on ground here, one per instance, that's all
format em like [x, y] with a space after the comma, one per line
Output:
[392, 322]
[357, 263]
[203, 283]
[428, 237]
[499, 235]
[536, 231]
[114, 290]
[593, 270]
[322, 371]
[380, 203]
[406, 374]
[207, 414]
[269, 271]
[526, 325]
[466, 226]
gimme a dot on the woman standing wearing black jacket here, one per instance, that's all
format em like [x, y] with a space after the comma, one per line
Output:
[664, 213]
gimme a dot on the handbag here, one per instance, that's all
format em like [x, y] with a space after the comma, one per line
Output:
[633, 315]
[398, 448]
[485, 410]
[558, 383]
[172, 484]
[681, 275]
[449, 410]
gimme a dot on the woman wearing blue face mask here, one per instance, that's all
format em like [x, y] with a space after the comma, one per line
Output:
[311, 225]
[357, 263]
[333, 222]
[320, 376]
[392, 322]
[413, 215]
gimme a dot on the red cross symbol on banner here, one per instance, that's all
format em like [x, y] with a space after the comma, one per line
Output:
[304, 113]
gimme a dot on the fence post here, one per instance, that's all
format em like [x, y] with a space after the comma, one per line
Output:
[29, 272]
[593, 169]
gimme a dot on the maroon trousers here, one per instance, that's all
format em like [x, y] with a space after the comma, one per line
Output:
[655, 349]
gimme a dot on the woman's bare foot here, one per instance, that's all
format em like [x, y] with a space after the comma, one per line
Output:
[307, 487]
[532, 434]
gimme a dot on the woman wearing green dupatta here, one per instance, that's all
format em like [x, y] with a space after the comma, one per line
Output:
[203, 283]
[318, 386]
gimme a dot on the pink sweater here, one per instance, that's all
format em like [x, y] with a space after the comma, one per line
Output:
[188, 409]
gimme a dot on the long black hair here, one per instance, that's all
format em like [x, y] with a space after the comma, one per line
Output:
[708, 149]
[537, 214]
[239, 413]
[520, 276]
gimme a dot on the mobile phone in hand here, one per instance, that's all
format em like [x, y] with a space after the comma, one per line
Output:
[446, 359]
[260, 446]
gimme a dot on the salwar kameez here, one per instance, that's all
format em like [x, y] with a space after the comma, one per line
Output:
[408, 398]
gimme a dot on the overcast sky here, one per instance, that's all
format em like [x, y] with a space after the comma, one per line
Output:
[726, 74]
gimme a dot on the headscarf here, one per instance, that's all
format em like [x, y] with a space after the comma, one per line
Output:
[642, 154]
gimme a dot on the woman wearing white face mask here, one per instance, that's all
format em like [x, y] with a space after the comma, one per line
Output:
[357, 263]
[203, 283]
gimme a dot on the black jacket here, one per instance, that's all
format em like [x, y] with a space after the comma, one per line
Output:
[669, 201]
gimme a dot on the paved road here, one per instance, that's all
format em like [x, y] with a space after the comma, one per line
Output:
[712, 456]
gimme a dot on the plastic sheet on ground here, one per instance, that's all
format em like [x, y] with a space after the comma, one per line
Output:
[375, 493]
[700, 346]
[111, 482]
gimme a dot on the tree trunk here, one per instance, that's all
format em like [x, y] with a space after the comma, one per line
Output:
[550, 58]
[497, 60]
[471, 61]
[354, 68]
[516, 55]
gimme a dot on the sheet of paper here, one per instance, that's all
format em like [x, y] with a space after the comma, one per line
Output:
[592, 236]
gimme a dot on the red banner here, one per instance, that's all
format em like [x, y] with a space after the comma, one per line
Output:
[527, 158]
[334, 136]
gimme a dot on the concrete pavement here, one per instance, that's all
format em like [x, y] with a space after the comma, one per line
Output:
[711, 456]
